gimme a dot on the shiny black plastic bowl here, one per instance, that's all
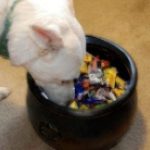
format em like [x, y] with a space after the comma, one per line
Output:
[65, 129]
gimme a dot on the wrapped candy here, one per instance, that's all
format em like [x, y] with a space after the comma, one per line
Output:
[83, 107]
[110, 76]
[120, 83]
[98, 85]
[73, 105]
[86, 84]
[94, 79]
[94, 64]
[88, 58]
[105, 64]
[84, 68]
[91, 100]
[118, 92]
[112, 96]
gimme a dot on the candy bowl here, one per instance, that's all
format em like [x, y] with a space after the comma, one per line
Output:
[65, 128]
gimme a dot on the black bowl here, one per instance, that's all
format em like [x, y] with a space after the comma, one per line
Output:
[66, 129]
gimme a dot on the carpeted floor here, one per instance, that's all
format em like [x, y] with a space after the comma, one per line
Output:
[125, 22]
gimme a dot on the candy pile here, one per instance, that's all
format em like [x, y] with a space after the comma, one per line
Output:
[98, 84]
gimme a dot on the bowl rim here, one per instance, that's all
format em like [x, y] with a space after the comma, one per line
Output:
[63, 110]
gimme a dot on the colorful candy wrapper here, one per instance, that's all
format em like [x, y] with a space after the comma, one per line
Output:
[83, 107]
[120, 83]
[105, 64]
[118, 92]
[98, 85]
[74, 105]
[82, 95]
[94, 79]
[99, 73]
[78, 91]
[112, 96]
[91, 100]
[94, 65]
[91, 93]
[84, 68]
[110, 76]
[104, 94]
[100, 97]
[101, 94]
[88, 58]
[86, 84]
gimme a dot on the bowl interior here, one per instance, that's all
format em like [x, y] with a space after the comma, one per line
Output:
[106, 50]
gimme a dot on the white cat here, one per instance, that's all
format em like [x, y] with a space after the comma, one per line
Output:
[46, 38]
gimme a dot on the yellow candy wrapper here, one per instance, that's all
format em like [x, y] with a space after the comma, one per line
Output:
[110, 76]
[120, 83]
[88, 58]
[73, 105]
[84, 68]
[118, 92]
[111, 70]
[84, 107]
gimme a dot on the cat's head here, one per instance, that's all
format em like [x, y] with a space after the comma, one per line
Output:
[55, 52]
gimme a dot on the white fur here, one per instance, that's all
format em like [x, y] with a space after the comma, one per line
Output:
[4, 92]
[57, 63]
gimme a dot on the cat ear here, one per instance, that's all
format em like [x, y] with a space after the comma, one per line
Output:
[50, 36]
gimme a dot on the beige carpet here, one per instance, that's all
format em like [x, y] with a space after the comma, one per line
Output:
[126, 22]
